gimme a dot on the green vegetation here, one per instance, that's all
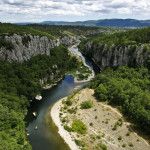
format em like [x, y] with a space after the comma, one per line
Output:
[79, 127]
[86, 104]
[130, 144]
[80, 143]
[124, 145]
[120, 138]
[12, 127]
[9, 29]
[101, 146]
[8, 45]
[117, 124]
[129, 89]
[131, 37]
[50, 31]
[60, 31]
[81, 73]
[19, 83]
[69, 129]
[68, 102]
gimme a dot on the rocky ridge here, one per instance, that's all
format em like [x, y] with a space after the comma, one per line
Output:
[23, 47]
[112, 55]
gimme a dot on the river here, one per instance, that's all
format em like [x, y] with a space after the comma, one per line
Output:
[45, 137]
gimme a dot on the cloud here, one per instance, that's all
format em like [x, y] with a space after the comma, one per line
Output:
[82, 9]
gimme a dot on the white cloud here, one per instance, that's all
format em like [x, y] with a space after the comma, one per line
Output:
[34, 10]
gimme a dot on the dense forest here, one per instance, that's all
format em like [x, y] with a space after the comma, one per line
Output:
[124, 37]
[128, 89]
[49, 30]
[20, 82]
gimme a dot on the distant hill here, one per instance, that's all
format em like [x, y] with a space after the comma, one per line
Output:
[105, 23]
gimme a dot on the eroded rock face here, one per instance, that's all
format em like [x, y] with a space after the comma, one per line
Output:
[108, 56]
[26, 46]
[68, 40]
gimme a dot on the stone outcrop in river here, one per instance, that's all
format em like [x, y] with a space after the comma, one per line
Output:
[107, 56]
[23, 47]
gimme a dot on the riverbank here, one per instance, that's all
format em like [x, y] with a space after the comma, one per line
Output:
[55, 115]
[105, 126]
[75, 52]
[56, 109]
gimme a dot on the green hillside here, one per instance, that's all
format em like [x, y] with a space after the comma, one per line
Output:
[136, 36]
[129, 90]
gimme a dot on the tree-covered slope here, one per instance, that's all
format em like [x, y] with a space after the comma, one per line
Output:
[9, 29]
[128, 89]
[136, 36]
[50, 31]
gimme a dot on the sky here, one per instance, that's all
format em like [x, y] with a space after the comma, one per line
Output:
[72, 10]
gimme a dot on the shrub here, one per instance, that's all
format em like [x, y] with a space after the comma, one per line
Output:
[69, 102]
[80, 143]
[86, 105]
[123, 145]
[98, 137]
[72, 110]
[91, 124]
[79, 127]
[64, 120]
[130, 144]
[7, 44]
[67, 128]
[26, 40]
[119, 138]
[128, 133]
[101, 146]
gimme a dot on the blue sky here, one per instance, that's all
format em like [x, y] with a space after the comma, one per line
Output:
[72, 10]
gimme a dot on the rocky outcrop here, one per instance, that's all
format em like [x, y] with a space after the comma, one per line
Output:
[111, 55]
[68, 40]
[23, 47]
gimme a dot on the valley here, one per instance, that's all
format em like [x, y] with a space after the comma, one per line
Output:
[56, 61]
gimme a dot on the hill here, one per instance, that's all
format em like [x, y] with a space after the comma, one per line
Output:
[105, 23]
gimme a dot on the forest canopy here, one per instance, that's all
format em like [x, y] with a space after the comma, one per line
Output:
[128, 89]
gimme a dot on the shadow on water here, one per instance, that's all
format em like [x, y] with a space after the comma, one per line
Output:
[45, 137]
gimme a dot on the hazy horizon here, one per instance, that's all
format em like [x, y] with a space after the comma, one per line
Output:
[75, 20]
[72, 10]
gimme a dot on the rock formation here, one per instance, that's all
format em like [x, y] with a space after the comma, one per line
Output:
[23, 47]
[112, 55]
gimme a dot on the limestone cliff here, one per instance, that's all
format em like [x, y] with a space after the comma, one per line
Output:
[23, 47]
[112, 55]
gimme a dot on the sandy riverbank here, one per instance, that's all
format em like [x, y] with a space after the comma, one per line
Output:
[55, 112]
[105, 125]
